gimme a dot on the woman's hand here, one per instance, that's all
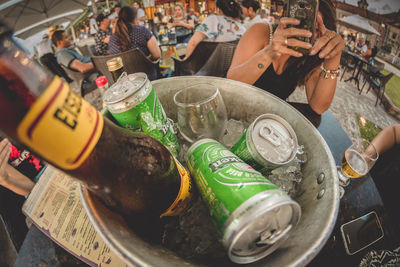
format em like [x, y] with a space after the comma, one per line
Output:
[177, 23]
[282, 39]
[4, 155]
[329, 44]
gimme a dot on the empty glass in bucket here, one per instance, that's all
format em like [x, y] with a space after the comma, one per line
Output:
[201, 112]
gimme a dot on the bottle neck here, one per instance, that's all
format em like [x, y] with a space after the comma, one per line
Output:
[22, 80]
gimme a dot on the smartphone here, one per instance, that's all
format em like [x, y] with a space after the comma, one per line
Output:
[361, 232]
[305, 11]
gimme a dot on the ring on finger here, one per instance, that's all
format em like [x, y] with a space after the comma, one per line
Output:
[285, 42]
[329, 34]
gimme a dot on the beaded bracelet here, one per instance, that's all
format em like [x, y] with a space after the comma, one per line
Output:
[333, 73]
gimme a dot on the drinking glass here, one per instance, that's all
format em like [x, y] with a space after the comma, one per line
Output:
[201, 112]
[357, 160]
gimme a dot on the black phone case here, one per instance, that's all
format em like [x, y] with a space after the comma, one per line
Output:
[306, 12]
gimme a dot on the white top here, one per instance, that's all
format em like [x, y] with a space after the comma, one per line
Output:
[220, 28]
[256, 19]
[140, 13]
[362, 48]
[93, 26]
[44, 47]
[113, 15]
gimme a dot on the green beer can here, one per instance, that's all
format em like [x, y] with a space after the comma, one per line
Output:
[134, 104]
[268, 143]
[253, 215]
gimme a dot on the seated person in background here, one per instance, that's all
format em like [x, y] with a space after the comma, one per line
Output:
[223, 27]
[249, 10]
[157, 24]
[47, 58]
[386, 173]
[184, 25]
[128, 35]
[102, 37]
[141, 15]
[193, 16]
[113, 17]
[371, 52]
[361, 46]
[69, 57]
[270, 64]
[19, 170]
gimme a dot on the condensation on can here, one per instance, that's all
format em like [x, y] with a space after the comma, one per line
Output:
[268, 143]
[134, 104]
[253, 215]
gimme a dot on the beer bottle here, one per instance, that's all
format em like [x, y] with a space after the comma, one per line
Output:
[132, 173]
[116, 67]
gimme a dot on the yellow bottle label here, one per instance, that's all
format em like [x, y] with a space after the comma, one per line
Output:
[61, 126]
[185, 194]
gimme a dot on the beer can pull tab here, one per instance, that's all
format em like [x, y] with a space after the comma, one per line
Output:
[270, 133]
[271, 236]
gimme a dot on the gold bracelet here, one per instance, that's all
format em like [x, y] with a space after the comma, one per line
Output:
[332, 73]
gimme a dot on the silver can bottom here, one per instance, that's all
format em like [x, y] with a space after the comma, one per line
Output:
[259, 226]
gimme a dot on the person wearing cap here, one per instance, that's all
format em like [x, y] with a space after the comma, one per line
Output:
[102, 36]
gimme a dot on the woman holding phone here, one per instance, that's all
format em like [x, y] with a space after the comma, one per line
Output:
[272, 64]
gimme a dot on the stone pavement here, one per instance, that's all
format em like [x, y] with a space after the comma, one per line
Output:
[347, 103]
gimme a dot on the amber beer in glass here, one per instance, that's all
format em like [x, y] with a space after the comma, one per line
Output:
[354, 164]
[357, 160]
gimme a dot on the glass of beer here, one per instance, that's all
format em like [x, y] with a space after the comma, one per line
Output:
[201, 112]
[357, 160]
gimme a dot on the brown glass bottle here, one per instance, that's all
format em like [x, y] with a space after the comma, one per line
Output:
[131, 172]
[116, 67]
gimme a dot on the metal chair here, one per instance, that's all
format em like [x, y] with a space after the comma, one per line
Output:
[349, 64]
[134, 61]
[196, 60]
[219, 62]
[372, 69]
[380, 85]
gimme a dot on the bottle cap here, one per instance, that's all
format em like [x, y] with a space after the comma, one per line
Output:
[101, 81]
[114, 63]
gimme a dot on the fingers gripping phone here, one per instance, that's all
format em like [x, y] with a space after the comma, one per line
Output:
[361, 232]
[306, 12]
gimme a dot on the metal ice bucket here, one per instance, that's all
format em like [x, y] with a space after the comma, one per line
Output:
[319, 200]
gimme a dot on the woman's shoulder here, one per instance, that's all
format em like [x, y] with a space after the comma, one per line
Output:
[259, 28]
